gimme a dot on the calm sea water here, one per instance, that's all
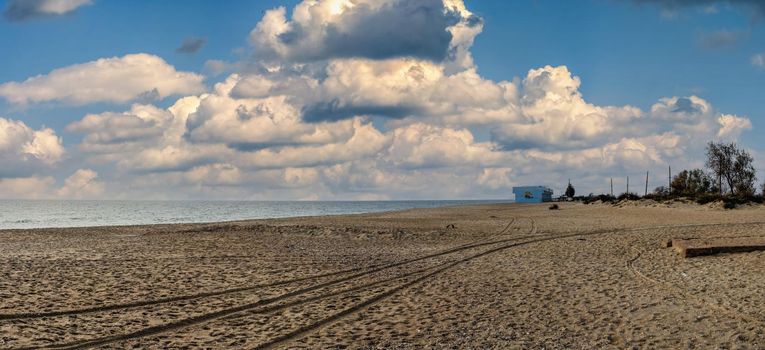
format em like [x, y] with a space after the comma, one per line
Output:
[62, 213]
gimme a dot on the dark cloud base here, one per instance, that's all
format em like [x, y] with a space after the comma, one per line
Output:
[191, 45]
[334, 111]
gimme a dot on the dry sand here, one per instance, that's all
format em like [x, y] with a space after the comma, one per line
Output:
[505, 276]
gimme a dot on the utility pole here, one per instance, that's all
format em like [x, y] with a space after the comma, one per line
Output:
[669, 186]
[646, 183]
[612, 187]
[628, 185]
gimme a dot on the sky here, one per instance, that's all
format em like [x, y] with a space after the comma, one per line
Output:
[369, 100]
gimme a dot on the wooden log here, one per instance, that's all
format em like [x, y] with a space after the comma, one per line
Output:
[689, 248]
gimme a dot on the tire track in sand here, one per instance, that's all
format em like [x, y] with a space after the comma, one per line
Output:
[233, 310]
[672, 289]
[303, 331]
[152, 302]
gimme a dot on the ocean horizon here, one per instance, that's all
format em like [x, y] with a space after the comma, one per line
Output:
[54, 213]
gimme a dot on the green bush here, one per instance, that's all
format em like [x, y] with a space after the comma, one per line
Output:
[628, 196]
[658, 197]
[605, 198]
[732, 200]
[708, 198]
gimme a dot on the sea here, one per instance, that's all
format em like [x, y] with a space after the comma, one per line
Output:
[24, 214]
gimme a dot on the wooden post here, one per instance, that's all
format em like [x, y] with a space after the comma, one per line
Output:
[646, 183]
[628, 185]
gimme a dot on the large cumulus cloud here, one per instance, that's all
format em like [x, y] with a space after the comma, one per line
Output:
[27, 155]
[24, 151]
[82, 184]
[435, 30]
[142, 125]
[393, 88]
[254, 123]
[116, 79]
[555, 116]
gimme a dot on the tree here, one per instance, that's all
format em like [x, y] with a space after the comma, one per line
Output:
[679, 183]
[570, 191]
[691, 183]
[733, 167]
[661, 191]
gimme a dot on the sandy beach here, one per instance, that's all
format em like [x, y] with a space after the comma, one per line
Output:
[491, 276]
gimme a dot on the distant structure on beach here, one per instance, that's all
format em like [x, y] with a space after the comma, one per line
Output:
[532, 194]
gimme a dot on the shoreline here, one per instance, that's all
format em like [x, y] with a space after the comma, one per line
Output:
[392, 204]
[643, 203]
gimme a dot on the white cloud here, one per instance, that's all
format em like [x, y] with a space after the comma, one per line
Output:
[393, 88]
[117, 79]
[732, 126]
[428, 146]
[257, 123]
[366, 141]
[141, 126]
[82, 184]
[171, 157]
[759, 60]
[60, 7]
[45, 146]
[24, 150]
[21, 10]
[496, 178]
[554, 115]
[26, 187]
[694, 117]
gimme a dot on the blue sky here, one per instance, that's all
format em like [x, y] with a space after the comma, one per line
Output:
[624, 53]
